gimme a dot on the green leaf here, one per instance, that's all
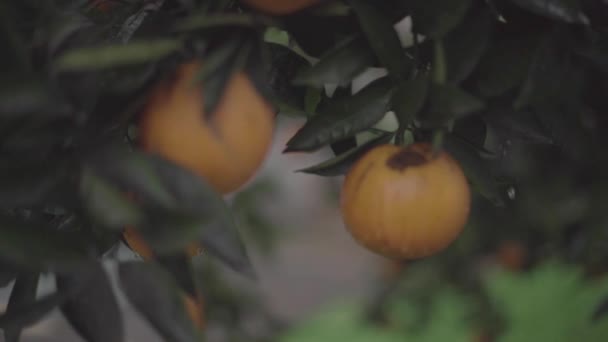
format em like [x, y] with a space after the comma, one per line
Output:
[180, 267]
[202, 215]
[111, 56]
[382, 37]
[156, 296]
[504, 66]
[569, 11]
[435, 18]
[219, 67]
[465, 45]
[339, 65]
[91, 307]
[343, 117]
[29, 184]
[476, 169]
[22, 294]
[105, 203]
[447, 102]
[340, 322]
[518, 124]
[409, 98]
[36, 245]
[219, 20]
[180, 206]
[340, 164]
[557, 293]
[312, 99]
[28, 314]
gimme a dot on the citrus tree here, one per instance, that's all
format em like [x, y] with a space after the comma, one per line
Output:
[126, 122]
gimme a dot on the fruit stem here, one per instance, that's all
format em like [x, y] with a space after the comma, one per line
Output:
[439, 63]
[438, 137]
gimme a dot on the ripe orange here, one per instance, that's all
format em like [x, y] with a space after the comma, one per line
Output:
[405, 203]
[228, 147]
[280, 7]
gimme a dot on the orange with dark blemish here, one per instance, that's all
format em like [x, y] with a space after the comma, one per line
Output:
[405, 203]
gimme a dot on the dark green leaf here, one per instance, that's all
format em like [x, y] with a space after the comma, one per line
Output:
[465, 45]
[22, 294]
[34, 245]
[343, 117]
[597, 52]
[30, 313]
[182, 207]
[91, 307]
[505, 66]
[342, 163]
[447, 102]
[569, 11]
[343, 145]
[216, 20]
[550, 75]
[409, 97]
[110, 56]
[24, 185]
[202, 215]
[382, 37]
[106, 203]
[435, 18]
[156, 296]
[20, 98]
[180, 267]
[472, 129]
[518, 124]
[312, 99]
[476, 169]
[338, 66]
[218, 69]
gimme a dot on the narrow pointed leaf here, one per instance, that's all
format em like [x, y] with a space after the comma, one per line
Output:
[340, 164]
[476, 169]
[409, 97]
[465, 45]
[107, 204]
[343, 117]
[504, 66]
[338, 66]
[382, 37]
[22, 294]
[30, 313]
[111, 56]
[91, 307]
[206, 216]
[447, 102]
[435, 18]
[569, 11]
[156, 296]
[35, 246]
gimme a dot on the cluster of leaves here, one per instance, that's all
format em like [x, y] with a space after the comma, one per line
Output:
[512, 88]
[552, 303]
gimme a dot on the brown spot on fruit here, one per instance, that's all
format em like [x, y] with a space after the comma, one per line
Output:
[404, 159]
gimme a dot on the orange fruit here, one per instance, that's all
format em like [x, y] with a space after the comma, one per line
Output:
[225, 148]
[405, 202]
[280, 7]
